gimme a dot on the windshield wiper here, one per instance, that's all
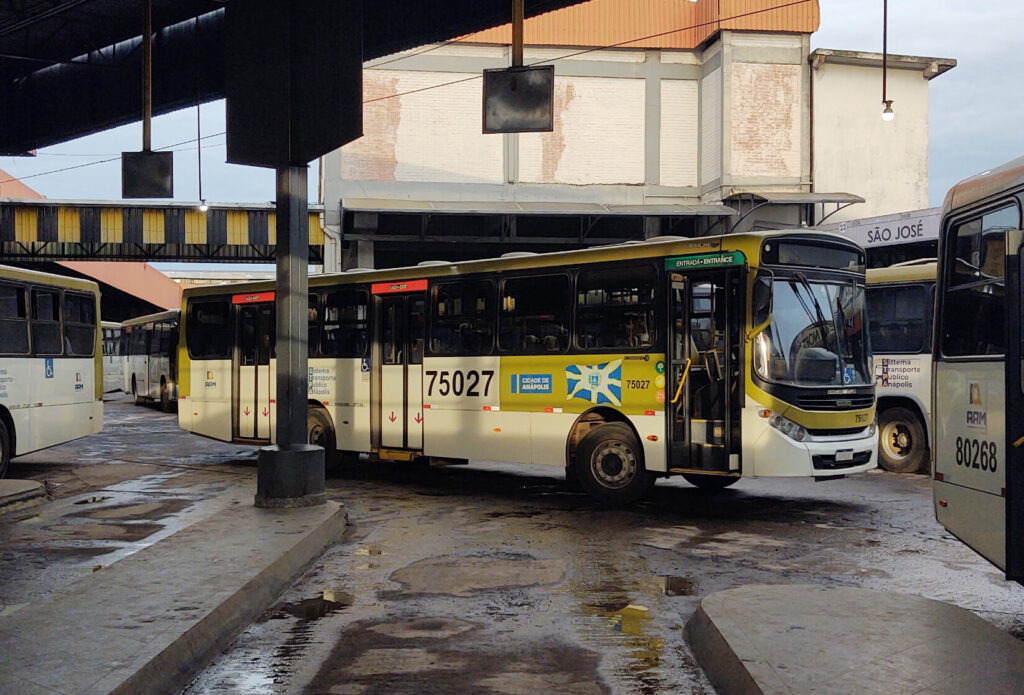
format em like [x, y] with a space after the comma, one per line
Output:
[821, 321]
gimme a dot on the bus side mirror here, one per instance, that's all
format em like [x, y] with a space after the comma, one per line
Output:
[763, 305]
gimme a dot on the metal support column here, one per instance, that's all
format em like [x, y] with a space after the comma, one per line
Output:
[291, 472]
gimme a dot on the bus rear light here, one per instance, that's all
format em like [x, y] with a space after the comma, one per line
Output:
[939, 476]
[943, 503]
[652, 437]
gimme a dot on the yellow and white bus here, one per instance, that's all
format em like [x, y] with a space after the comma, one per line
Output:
[901, 301]
[977, 387]
[51, 362]
[151, 358]
[714, 358]
[113, 359]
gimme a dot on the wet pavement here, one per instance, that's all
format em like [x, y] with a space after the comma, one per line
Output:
[493, 579]
[490, 578]
[110, 495]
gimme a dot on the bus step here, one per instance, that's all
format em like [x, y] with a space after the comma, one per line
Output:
[398, 454]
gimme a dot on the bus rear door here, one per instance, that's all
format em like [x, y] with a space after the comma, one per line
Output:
[255, 331]
[1014, 446]
[399, 338]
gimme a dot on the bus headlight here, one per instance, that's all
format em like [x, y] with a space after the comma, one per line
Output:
[787, 427]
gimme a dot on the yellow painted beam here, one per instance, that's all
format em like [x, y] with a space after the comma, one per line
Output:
[238, 227]
[26, 225]
[69, 224]
[195, 227]
[111, 226]
[153, 227]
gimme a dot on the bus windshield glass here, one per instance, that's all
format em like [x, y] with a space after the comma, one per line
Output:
[816, 334]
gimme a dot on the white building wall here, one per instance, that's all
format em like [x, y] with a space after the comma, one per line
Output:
[856, 151]
[598, 136]
[767, 116]
[679, 118]
[711, 127]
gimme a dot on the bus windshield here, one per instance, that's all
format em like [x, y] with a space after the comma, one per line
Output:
[816, 334]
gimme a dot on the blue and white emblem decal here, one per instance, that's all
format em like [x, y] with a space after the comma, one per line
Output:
[598, 384]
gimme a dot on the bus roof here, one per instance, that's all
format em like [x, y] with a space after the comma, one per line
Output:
[748, 243]
[987, 183]
[151, 318]
[50, 279]
[912, 271]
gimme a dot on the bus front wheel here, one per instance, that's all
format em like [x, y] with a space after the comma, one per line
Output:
[320, 431]
[5, 450]
[901, 441]
[610, 465]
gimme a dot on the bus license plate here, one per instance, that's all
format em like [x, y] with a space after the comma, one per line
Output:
[844, 455]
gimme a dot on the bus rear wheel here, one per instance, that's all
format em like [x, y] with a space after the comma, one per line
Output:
[901, 441]
[5, 450]
[135, 392]
[710, 482]
[610, 465]
[320, 431]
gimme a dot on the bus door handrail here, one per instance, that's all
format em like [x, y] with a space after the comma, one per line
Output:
[682, 380]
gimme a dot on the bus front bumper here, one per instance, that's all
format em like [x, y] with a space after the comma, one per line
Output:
[775, 454]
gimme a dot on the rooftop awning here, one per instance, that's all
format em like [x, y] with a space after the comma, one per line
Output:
[795, 198]
[531, 208]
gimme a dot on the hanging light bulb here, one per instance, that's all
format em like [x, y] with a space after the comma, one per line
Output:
[887, 114]
[203, 207]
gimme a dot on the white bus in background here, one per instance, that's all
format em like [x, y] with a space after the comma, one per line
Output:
[113, 359]
[900, 303]
[151, 360]
[51, 362]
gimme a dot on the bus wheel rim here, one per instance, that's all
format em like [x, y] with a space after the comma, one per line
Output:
[613, 464]
[897, 440]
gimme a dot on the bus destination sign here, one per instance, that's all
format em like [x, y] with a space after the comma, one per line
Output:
[705, 260]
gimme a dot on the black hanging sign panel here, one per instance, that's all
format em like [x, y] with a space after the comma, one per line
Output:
[294, 79]
[519, 99]
[147, 174]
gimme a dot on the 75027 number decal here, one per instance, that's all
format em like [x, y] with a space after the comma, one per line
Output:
[459, 383]
[974, 453]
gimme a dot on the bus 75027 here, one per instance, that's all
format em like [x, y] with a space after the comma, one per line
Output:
[713, 358]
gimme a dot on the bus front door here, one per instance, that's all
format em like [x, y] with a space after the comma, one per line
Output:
[255, 326]
[400, 339]
[704, 339]
[1013, 459]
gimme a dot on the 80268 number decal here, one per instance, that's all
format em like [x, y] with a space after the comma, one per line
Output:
[974, 453]
[459, 383]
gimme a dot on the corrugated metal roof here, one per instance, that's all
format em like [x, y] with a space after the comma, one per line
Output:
[670, 23]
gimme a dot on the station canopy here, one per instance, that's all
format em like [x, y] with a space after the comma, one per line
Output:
[69, 68]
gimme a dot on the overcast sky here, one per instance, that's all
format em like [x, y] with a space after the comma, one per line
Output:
[974, 123]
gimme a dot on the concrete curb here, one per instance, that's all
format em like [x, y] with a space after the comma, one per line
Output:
[150, 622]
[723, 666]
[175, 666]
[16, 495]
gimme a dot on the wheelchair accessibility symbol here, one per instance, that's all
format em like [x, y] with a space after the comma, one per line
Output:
[49, 367]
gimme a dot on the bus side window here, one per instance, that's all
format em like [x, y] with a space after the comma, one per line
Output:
[615, 308]
[534, 315]
[79, 324]
[974, 306]
[46, 338]
[345, 326]
[210, 330]
[462, 321]
[13, 320]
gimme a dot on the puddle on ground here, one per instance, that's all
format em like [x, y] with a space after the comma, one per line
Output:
[462, 576]
[93, 500]
[420, 628]
[129, 532]
[150, 511]
[310, 608]
[631, 620]
[677, 586]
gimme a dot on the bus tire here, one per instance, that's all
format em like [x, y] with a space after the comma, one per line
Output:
[320, 431]
[166, 404]
[5, 449]
[902, 447]
[610, 465]
[710, 482]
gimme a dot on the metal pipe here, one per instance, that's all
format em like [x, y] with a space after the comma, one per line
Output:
[885, 44]
[147, 75]
[517, 33]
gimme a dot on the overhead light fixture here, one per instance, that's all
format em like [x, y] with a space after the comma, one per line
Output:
[887, 114]
[203, 207]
